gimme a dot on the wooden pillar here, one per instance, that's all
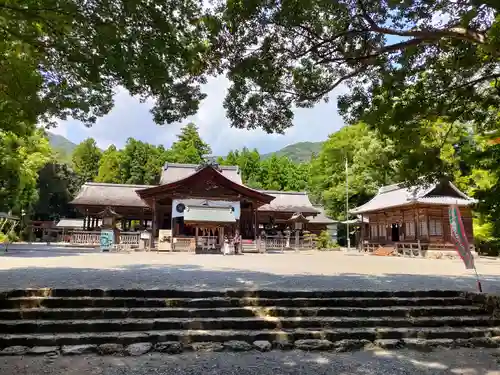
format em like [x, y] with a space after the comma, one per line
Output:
[362, 233]
[417, 221]
[142, 223]
[427, 217]
[256, 222]
[153, 224]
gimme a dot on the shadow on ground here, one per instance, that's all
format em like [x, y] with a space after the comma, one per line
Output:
[42, 250]
[195, 277]
[404, 362]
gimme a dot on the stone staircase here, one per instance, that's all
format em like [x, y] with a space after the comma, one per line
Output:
[133, 322]
[249, 247]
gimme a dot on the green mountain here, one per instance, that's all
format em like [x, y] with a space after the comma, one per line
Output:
[298, 152]
[63, 146]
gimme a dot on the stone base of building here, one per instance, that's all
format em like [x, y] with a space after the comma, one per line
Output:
[444, 254]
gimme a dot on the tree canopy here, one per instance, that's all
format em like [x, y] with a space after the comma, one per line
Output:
[65, 58]
[189, 147]
[86, 157]
[20, 160]
[370, 163]
[141, 163]
[401, 61]
[57, 186]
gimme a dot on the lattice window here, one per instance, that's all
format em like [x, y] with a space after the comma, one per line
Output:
[435, 227]
[381, 231]
[373, 231]
[423, 229]
[409, 229]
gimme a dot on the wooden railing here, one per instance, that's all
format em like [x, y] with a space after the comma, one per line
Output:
[183, 244]
[276, 243]
[410, 249]
[414, 249]
[130, 238]
[85, 238]
[283, 243]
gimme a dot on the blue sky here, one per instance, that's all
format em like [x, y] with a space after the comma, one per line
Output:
[130, 118]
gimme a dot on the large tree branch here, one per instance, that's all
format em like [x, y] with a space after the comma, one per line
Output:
[488, 77]
[337, 83]
[461, 33]
[385, 49]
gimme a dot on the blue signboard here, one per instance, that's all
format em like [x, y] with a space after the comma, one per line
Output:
[107, 239]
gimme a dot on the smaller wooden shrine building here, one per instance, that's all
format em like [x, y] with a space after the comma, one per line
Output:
[418, 215]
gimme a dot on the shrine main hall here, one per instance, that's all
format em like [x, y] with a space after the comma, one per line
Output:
[200, 200]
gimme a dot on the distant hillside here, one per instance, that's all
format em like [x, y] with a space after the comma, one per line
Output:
[63, 146]
[298, 152]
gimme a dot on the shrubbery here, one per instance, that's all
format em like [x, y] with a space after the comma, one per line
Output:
[324, 242]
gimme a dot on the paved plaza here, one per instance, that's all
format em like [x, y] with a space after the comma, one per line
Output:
[403, 362]
[34, 266]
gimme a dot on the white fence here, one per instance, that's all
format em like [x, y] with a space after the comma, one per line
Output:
[130, 238]
[85, 238]
[284, 243]
[94, 238]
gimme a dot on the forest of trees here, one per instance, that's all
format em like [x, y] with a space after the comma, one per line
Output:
[44, 185]
[141, 163]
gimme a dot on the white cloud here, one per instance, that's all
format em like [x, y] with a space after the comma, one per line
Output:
[130, 118]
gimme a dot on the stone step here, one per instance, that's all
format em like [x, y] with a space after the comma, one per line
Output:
[131, 302]
[256, 323]
[174, 347]
[158, 293]
[168, 312]
[190, 336]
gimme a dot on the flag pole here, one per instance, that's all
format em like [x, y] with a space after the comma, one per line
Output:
[457, 232]
[347, 203]
[478, 282]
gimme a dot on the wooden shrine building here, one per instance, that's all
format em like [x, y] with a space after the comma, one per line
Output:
[401, 216]
[197, 200]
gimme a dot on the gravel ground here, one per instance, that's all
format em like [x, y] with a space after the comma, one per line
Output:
[462, 361]
[42, 266]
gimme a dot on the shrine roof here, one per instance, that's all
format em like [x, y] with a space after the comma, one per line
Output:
[441, 193]
[173, 172]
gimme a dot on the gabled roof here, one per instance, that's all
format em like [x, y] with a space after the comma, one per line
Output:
[320, 218]
[358, 220]
[211, 175]
[173, 172]
[298, 218]
[289, 201]
[70, 223]
[442, 193]
[114, 195]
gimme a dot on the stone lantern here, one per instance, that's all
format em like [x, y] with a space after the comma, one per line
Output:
[298, 220]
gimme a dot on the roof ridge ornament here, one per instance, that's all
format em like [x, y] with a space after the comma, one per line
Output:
[209, 163]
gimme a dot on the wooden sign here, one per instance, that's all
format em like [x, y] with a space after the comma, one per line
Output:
[165, 240]
[107, 239]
